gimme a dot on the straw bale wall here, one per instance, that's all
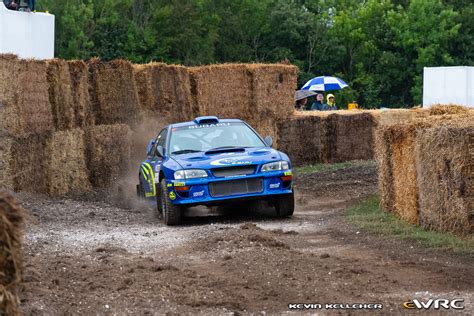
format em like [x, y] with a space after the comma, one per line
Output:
[303, 139]
[108, 153]
[79, 72]
[113, 94]
[164, 89]
[445, 166]
[11, 227]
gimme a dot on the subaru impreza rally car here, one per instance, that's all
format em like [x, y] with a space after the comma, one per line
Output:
[211, 161]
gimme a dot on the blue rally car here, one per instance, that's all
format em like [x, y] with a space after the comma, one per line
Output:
[212, 161]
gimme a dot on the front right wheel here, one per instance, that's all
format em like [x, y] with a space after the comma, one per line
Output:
[171, 213]
[285, 205]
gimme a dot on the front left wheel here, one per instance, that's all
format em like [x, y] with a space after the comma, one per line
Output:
[285, 205]
[172, 214]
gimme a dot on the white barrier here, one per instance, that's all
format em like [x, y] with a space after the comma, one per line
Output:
[26, 34]
[446, 85]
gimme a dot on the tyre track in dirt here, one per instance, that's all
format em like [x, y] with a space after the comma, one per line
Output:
[84, 256]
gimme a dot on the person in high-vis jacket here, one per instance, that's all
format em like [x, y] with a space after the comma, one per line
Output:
[331, 102]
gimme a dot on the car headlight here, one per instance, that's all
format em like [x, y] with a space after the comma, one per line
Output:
[190, 174]
[275, 166]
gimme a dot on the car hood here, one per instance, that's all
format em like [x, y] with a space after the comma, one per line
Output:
[248, 156]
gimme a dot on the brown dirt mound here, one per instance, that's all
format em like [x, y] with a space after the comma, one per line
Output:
[108, 153]
[164, 89]
[302, 138]
[112, 90]
[445, 165]
[79, 72]
[11, 225]
[67, 171]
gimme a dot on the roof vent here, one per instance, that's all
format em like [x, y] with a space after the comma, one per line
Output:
[206, 120]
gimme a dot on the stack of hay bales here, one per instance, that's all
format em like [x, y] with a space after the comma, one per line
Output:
[11, 225]
[335, 136]
[410, 170]
[446, 177]
[108, 153]
[164, 90]
[349, 136]
[303, 139]
[79, 74]
[113, 93]
[258, 93]
[65, 168]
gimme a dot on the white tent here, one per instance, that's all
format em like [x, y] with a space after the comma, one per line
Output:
[446, 85]
[26, 34]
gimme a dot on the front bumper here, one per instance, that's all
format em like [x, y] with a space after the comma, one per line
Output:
[198, 191]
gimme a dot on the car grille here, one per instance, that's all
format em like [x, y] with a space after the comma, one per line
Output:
[234, 187]
[233, 171]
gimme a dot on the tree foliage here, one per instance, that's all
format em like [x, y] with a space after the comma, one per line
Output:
[378, 47]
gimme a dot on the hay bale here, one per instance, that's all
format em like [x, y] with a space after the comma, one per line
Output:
[383, 157]
[164, 89]
[6, 172]
[399, 116]
[60, 97]
[440, 109]
[113, 93]
[273, 88]
[11, 226]
[78, 71]
[108, 153]
[30, 162]
[302, 138]
[33, 97]
[223, 90]
[66, 163]
[9, 119]
[350, 136]
[401, 141]
[445, 166]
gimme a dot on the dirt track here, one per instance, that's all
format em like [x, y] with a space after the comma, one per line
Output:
[93, 257]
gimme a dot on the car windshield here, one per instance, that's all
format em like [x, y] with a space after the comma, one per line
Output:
[196, 138]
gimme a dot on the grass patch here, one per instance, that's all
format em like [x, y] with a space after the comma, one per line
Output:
[326, 167]
[369, 216]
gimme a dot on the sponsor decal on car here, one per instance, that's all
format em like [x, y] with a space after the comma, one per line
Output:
[172, 196]
[198, 194]
[169, 185]
[274, 185]
[180, 184]
[288, 173]
[209, 125]
[230, 162]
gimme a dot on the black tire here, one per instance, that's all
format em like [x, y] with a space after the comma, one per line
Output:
[140, 191]
[285, 205]
[159, 205]
[171, 213]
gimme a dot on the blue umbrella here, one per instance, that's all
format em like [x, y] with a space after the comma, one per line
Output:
[324, 83]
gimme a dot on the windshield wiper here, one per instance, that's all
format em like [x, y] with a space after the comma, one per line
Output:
[185, 151]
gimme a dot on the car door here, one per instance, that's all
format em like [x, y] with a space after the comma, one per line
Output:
[151, 166]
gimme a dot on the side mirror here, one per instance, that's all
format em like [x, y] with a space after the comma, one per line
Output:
[151, 143]
[269, 141]
[160, 151]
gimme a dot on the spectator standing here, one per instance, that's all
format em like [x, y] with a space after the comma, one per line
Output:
[11, 4]
[318, 105]
[301, 104]
[331, 102]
